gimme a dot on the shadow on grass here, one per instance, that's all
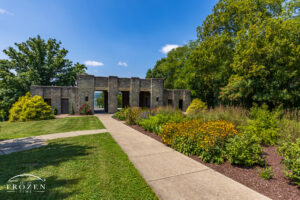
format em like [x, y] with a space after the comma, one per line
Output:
[36, 160]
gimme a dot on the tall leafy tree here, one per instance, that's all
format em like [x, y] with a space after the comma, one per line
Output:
[34, 62]
[266, 65]
[246, 51]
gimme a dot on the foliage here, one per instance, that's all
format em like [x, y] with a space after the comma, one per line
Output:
[266, 65]
[29, 108]
[100, 100]
[264, 124]
[165, 110]
[2, 115]
[34, 62]
[196, 106]
[292, 114]
[121, 114]
[154, 122]
[170, 68]
[291, 153]
[289, 129]
[72, 109]
[244, 150]
[85, 109]
[266, 173]
[132, 115]
[55, 111]
[236, 115]
[246, 52]
[196, 137]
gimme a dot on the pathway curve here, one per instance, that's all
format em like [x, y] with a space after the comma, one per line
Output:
[171, 174]
[22, 144]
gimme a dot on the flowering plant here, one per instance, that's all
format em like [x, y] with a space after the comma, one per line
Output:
[85, 109]
[196, 137]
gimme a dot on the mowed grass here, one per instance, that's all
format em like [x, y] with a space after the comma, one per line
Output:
[83, 167]
[11, 130]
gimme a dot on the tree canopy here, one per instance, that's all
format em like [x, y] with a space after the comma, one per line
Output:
[247, 51]
[34, 62]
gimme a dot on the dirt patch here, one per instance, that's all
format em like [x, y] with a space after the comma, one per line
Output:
[278, 188]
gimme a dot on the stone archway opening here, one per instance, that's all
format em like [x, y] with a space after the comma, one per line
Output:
[145, 98]
[100, 101]
[124, 99]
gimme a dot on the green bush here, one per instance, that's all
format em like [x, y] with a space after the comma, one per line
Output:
[2, 115]
[264, 124]
[266, 173]
[29, 108]
[132, 115]
[196, 106]
[244, 150]
[72, 109]
[121, 114]
[291, 153]
[154, 123]
[55, 112]
[85, 109]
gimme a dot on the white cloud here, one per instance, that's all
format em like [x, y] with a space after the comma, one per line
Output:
[122, 64]
[93, 63]
[168, 47]
[5, 12]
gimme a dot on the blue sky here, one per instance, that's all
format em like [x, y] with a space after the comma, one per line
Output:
[123, 38]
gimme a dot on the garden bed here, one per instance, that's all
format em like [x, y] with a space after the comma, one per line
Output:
[279, 187]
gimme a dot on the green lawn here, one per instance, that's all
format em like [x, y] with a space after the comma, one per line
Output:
[83, 167]
[10, 130]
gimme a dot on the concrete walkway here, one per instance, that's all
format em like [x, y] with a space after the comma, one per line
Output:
[22, 144]
[171, 174]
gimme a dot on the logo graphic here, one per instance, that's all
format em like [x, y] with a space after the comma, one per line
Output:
[26, 183]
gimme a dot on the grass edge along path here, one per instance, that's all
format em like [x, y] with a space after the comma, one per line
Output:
[82, 167]
[12, 130]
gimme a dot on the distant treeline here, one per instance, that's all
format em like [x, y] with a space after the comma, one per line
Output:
[247, 51]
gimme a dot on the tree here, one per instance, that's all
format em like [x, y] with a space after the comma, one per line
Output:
[100, 100]
[246, 51]
[170, 68]
[266, 65]
[34, 62]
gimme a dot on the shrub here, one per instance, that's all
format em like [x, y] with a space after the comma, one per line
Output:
[205, 139]
[132, 115]
[29, 108]
[72, 109]
[154, 123]
[196, 106]
[266, 173]
[291, 153]
[85, 109]
[121, 114]
[2, 115]
[264, 124]
[55, 110]
[244, 150]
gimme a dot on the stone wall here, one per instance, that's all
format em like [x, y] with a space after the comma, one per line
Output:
[86, 88]
[56, 94]
[88, 84]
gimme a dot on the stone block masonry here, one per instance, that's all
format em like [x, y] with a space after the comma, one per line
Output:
[137, 92]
